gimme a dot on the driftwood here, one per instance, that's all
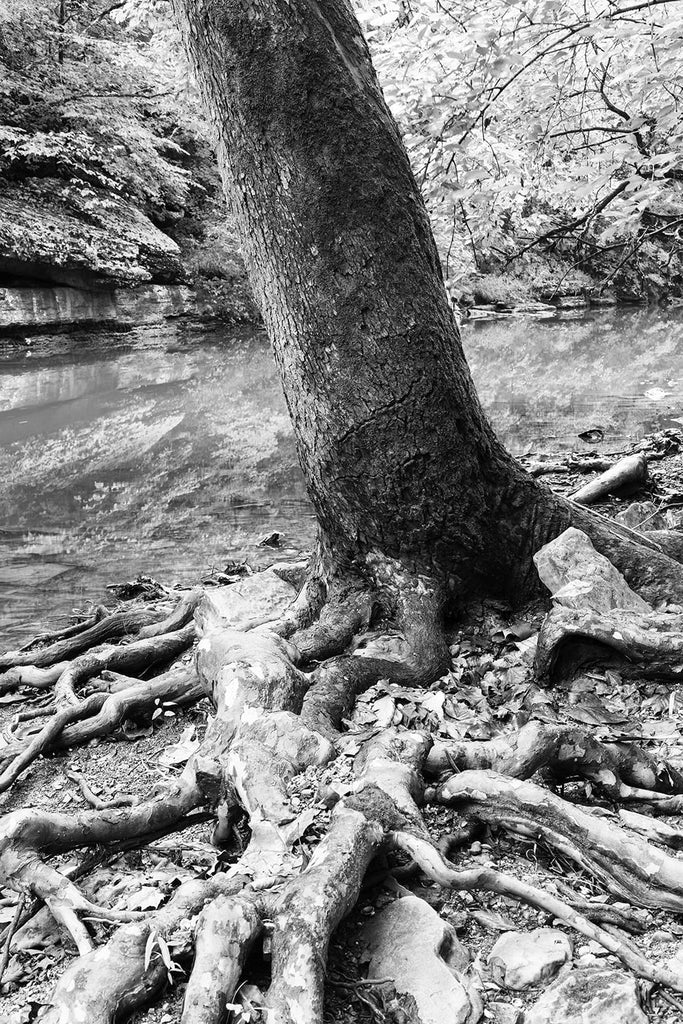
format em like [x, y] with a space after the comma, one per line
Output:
[625, 476]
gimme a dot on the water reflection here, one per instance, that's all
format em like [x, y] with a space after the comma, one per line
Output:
[169, 450]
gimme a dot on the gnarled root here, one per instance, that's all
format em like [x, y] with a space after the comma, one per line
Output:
[69, 709]
[345, 613]
[489, 880]
[144, 621]
[310, 908]
[652, 645]
[312, 904]
[278, 715]
[226, 931]
[111, 982]
[627, 866]
[27, 836]
[40, 666]
[567, 752]
[102, 712]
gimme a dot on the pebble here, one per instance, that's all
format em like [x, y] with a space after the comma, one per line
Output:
[592, 947]
[502, 1013]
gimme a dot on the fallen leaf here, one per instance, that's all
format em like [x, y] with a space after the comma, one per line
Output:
[182, 751]
[147, 898]
[492, 921]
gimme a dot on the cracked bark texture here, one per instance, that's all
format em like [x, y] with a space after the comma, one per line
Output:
[398, 455]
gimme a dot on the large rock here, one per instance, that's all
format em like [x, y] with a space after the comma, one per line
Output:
[411, 944]
[32, 310]
[254, 601]
[521, 959]
[51, 231]
[580, 577]
[590, 996]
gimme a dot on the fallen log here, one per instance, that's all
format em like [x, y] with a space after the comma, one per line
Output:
[625, 476]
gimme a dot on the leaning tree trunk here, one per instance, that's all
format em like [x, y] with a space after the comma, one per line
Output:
[398, 455]
[399, 459]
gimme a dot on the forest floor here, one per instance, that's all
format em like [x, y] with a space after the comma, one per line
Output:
[490, 687]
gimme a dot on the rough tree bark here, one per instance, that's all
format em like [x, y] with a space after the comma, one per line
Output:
[419, 506]
[399, 458]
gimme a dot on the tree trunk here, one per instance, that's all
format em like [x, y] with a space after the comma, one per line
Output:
[398, 456]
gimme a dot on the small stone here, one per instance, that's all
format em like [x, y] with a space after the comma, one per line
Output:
[271, 540]
[503, 1013]
[591, 948]
[662, 936]
[593, 996]
[642, 513]
[475, 848]
[328, 795]
[521, 959]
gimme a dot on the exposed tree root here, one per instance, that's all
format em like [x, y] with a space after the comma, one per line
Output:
[567, 752]
[69, 709]
[131, 657]
[652, 572]
[490, 880]
[39, 665]
[226, 932]
[345, 613]
[626, 865]
[115, 626]
[278, 714]
[310, 908]
[27, 836]
[652, 829]
[651, 644]
[107, 985]
[42, 639]
[102, 712]
[670, 541]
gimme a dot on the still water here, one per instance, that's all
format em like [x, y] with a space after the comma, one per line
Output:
[168, 451]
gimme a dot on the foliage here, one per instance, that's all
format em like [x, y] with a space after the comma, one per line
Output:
[89, 98]
[526, 116]
[527, 121]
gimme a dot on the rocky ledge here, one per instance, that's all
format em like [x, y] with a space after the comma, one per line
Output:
[50, 231]
[31, 311]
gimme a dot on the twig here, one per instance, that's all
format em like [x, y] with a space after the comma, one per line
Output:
[18, 910]
[93, 799]
[641, 538]
[564, 229]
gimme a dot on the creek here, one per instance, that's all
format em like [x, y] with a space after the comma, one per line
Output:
[167, 450]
